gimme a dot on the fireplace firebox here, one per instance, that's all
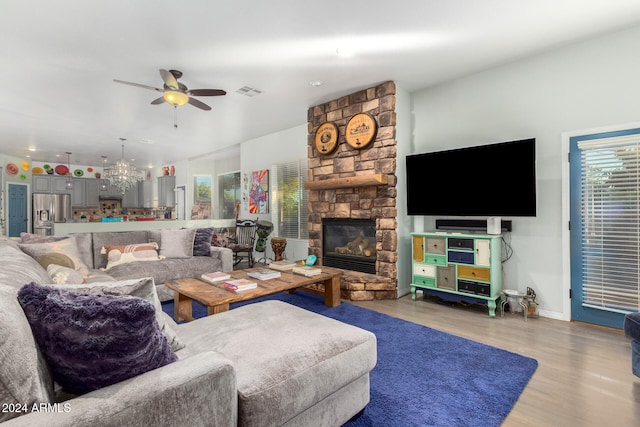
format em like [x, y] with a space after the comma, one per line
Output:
[349, 244]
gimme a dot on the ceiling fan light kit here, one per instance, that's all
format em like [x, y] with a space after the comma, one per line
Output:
[175, 98]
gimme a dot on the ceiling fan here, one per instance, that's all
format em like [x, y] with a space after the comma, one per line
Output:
[176, 93]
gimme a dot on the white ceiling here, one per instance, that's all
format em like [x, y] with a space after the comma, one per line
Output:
[59, 58]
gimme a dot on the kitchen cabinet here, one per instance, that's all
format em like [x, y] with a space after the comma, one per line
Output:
[52, 184]
[130, 197]
[145, 194]
[166, 194]
[84, 192]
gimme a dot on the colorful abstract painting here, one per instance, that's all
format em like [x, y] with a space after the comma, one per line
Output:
[259, 192]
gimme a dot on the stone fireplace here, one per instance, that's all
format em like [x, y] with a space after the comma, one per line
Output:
[360, 185]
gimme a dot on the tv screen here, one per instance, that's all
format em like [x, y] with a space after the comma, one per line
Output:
[487, 180]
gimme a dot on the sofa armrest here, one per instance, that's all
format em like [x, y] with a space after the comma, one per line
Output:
[225, 255]
[198, 390]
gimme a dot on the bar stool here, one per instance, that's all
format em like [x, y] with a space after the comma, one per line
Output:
[514, 299]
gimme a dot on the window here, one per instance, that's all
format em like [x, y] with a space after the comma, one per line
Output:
[228, 194]
[290, 213]
[610, 209]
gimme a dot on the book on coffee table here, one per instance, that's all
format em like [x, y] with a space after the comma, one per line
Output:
[214, 277]
[282, 265]
[307, 270]
[264, 274]
[239, 285]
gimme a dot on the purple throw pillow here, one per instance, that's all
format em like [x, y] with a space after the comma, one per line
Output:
[90, 340]
[202, 242]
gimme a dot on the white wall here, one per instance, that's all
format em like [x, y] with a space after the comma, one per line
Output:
[586, 85]
[262, 153]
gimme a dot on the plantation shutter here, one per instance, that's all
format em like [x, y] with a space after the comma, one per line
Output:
[289, 203]
[610, 232]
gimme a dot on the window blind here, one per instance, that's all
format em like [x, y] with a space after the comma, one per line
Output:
[289, 202]
[610, 209]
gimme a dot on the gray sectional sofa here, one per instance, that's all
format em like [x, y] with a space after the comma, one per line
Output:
[263, 364]
[177, 265]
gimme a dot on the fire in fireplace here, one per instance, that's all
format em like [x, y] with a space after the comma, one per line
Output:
[349, 244]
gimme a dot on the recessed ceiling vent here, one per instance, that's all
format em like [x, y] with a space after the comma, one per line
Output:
[249, 91]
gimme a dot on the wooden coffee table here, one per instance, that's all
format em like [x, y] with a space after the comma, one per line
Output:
[217, 298]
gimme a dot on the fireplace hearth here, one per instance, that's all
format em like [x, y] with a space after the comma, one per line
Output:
[349, 244]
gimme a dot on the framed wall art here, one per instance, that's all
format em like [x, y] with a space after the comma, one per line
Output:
[259, 192]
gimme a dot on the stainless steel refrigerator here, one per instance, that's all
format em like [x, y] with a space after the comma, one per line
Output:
[49, 209]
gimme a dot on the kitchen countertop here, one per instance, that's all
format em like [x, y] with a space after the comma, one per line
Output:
[62, 228]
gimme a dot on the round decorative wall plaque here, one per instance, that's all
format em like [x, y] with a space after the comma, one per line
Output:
[361, 130]
[326, 140]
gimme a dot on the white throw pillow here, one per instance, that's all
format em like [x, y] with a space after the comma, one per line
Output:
[177, 243]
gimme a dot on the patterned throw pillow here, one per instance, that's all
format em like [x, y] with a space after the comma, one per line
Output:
[123, 254]
[54, 258]
[61, 275]
[66, 247]
[202, 242]
[92, 341]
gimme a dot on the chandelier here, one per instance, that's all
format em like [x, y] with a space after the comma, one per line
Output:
[122, 174]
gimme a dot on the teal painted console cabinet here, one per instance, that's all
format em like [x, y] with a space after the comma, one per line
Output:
[458, 266]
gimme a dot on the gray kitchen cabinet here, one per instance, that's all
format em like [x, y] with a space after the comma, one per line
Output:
[166, 194]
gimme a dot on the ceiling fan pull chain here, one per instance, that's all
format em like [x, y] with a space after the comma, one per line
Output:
[175, 117]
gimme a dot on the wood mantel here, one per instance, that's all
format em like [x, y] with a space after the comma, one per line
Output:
[348, 182]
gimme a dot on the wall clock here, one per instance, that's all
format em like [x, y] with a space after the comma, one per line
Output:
[361, 130]
[326, 140]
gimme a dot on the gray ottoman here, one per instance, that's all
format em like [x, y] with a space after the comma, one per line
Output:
[293, 367]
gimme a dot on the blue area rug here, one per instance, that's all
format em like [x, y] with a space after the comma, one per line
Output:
[424, 377]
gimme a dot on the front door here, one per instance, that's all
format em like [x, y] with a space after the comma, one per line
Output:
[18, 210]
[605, 226]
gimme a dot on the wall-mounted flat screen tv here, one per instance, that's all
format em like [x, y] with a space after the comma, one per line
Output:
[487, 180]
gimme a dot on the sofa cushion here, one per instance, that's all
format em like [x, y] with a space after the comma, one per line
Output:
[114, 238]
[142, 288]
[177, 243]
[322, 355]
[61, 275]
[92, 341]
[24, 375]
[67, 247]
[202, 241]
[124, 254]
[19, 268]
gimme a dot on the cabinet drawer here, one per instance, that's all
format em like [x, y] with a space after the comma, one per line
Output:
[474, 288]
[457, 243]
[425, 270]
[460, 257]
[418, 248]
[435, 245]
[429, 282]
[435, 259]
[474, 273]
[447, 277]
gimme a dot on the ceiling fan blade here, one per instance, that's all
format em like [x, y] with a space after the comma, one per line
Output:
[199, 104]
[169, 79]
[138, 85]
[158, 101]
[207, 92]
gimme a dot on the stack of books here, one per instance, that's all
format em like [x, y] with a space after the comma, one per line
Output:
[307, 270]
[239, 285]
[215, 276]
[282, 265]
[264, 274]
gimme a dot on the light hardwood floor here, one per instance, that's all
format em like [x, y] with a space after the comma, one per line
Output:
[584, 373]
